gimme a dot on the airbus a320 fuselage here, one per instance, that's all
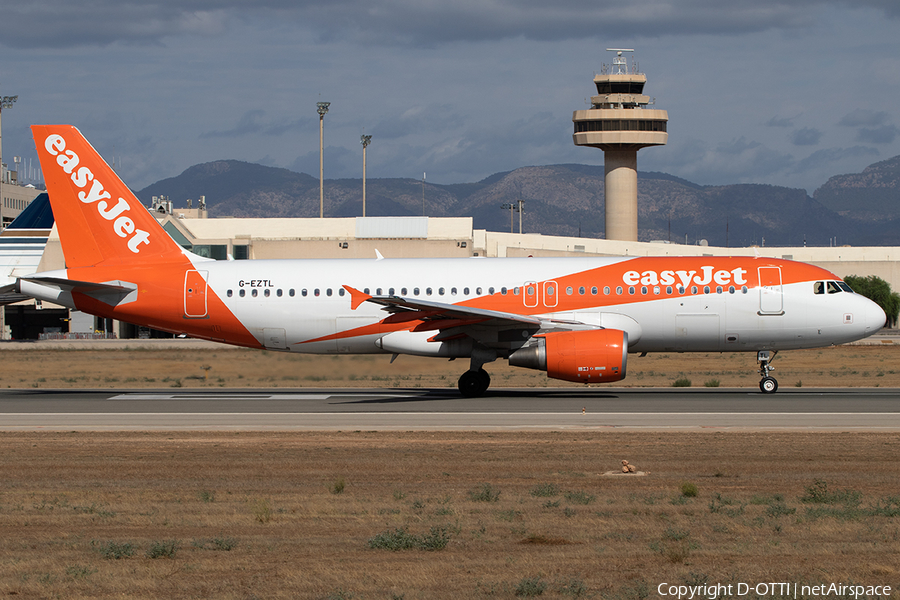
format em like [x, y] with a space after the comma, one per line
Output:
[575, 318]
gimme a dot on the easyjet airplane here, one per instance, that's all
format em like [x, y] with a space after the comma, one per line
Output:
[575, 318]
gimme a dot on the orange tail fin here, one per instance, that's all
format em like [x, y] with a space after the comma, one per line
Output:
[98, 218]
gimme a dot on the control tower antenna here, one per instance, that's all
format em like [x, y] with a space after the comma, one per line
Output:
[618, 124]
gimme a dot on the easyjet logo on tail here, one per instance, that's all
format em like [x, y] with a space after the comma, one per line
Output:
[122, 224]
[707, 275]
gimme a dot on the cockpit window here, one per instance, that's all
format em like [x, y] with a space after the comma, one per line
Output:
[819, 287]
[845, 287]
[833, 287]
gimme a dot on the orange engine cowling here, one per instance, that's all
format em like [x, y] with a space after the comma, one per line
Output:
[592, 356]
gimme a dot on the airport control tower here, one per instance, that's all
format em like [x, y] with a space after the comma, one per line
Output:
[618, 124]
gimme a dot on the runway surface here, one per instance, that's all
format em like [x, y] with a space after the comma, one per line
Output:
[875, 409]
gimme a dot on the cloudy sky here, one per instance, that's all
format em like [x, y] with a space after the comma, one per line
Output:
[787, 92]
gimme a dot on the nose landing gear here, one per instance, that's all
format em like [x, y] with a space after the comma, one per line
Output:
[768, 384]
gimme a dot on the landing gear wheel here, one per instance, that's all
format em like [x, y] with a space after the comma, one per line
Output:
[768, 384]
[474, 383]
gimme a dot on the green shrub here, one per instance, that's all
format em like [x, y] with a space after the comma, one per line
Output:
[818, 493]
[114, 550]
[545, 490]
[166, 549]
[529, 587]
[338, 486]
[688, 490]
[682, 382]
[485, 493]
[711, 383]
[580, 497]
[401, 539]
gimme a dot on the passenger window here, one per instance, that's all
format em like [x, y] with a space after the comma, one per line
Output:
[705, 289]
[819, 287]
[503, 291]
[718, 289]
[278, 292]
[644, 290]
[254, 293]
[606, 290]
[594, 291]
[440, 291]
[242, 293]
[377, 291]
[316, 292]
[427, 291]
[452, 291]
[328, 292]
[490, 291]
[229, 293]
[669, 290]
[581, 291]
[693, 289]
[341, 292]
[366, 291]
[656, 290]
[465, 291]
[631, 290]
[477, 291]
[680, 289]
[743, 289]
[731, 289]
[403, 291]
[515, 291]
[390, 291]
[569, 291]
[415, 291]
[266, 292]
[619, 290]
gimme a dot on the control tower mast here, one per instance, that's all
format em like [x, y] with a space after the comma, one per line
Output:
[618, 124]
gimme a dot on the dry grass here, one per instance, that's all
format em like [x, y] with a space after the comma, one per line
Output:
[31, 366]
[254, 515]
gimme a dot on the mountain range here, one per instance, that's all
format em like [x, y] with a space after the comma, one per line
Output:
[853, 209]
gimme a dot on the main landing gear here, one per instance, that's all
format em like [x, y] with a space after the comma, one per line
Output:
[475, 381]
[768, 384]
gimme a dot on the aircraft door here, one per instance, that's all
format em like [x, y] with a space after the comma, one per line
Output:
[551, 293]
[771, 299]
[530, 294]
[195, 294]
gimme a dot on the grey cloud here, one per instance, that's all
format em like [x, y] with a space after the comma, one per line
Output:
[781, 122]
[252, 122]
[878, 135]
[826, 156]
[807, 136]
[62, 23]
[862, 117]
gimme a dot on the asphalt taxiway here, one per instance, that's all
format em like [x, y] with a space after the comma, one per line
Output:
[875, 409]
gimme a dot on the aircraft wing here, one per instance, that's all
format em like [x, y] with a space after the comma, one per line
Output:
[453, 319]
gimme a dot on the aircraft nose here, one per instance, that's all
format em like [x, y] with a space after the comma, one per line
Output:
[873, 317]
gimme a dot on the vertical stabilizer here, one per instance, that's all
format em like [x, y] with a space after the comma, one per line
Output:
[98, 218]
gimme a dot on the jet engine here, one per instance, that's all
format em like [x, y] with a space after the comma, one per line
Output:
[592, 356]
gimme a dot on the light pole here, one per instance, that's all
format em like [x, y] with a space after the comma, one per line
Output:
[365, 140]
[509, 206]
[5, 102]
[322, 109]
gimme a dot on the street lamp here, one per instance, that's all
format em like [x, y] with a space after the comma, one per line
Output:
[5, 102]
[509, 206]
[322, 109]
[365, 140]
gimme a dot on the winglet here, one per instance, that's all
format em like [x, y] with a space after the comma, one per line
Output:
[356, 297]
[378, 255]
